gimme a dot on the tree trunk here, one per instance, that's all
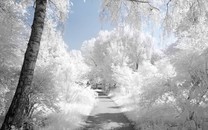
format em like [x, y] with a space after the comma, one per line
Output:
[18, 110]
[137, 66]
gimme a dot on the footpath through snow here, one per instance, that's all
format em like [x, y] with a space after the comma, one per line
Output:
[106, 115]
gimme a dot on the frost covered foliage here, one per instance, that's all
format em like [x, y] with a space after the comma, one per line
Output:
[13, 38]
[144, 94]
[133, 12]
[169, 94]
[157, 89]
[115, 48]
[75, 106]
[62, 95]
[184, 15]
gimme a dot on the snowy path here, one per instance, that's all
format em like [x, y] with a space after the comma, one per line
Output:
[107, 116]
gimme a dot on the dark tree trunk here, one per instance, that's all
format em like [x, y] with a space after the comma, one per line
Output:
[137, 66]
[19, 108]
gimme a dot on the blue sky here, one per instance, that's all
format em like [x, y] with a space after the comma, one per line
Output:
[83, 23]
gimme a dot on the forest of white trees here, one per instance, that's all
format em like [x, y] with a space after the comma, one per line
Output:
[159, 88]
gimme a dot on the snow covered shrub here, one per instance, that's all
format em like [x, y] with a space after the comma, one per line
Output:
[170, 93]
[190, 86]
[147, 95]
[75, 106]
[63, 100]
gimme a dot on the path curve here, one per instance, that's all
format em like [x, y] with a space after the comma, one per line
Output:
[106, 115]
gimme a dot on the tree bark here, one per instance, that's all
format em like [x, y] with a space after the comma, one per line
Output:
[19, 108]
[137, 66]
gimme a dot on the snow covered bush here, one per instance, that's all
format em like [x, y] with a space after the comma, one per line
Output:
[74, 108]
[146, 96]
[171, 93]
[62, 92]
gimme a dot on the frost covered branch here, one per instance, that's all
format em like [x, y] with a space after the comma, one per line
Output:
[145, 2]
[168, 7]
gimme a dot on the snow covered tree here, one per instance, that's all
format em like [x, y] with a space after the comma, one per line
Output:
[19, 108]
[116, 48]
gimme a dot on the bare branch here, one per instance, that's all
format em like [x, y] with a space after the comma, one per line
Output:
[2, 8]
[93, 61]
[153, 7]
[145, 2]
[139, 1]
[168, 7]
